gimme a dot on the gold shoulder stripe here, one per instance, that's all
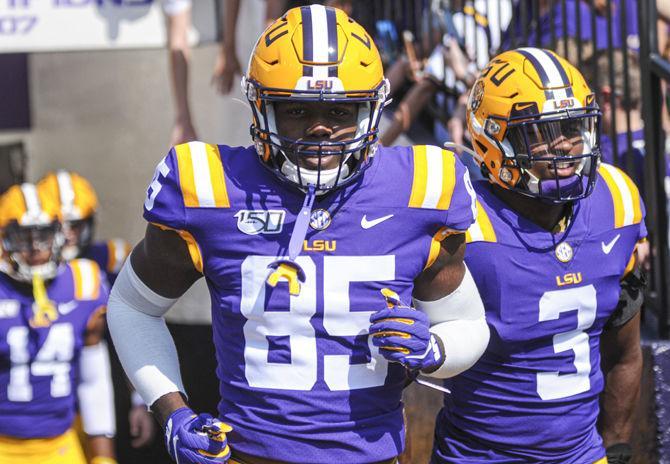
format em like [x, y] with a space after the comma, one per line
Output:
[86, 275]
[191, 243]
[625, 196]
[435, 244]
[434, 178]
[201, 176]
[117, 252]
[482, 229]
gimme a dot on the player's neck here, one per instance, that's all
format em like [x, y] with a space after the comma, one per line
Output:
[546, 215]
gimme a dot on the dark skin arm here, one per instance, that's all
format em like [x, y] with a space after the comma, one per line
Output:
[622, 367]
[159, 251]
[95, 333]
[445, 274]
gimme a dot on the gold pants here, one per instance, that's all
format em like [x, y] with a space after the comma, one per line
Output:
[601, 461]
[63, 449]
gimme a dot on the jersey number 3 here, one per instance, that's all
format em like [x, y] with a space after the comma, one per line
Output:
[555, 385]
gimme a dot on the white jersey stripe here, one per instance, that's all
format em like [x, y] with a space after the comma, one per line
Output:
[476, 234]
[435, 172]
[86, 271]
[119, 254]
[201, 175]
[319, 34]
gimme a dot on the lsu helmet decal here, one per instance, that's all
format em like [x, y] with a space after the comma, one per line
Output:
[534, 124]
[78, 204]
[31, 233]
[316, 54]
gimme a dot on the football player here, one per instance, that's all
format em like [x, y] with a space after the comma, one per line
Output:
[551, 248]
[296, 237]
[78, 206]
[51, 354]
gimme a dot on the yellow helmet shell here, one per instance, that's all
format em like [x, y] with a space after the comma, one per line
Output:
[518, 85]
[316, 47]
[73, 193]
[27, 206]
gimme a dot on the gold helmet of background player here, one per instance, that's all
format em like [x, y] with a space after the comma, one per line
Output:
[31, 233]
[529, 105]
[78, 204]
[317, 54]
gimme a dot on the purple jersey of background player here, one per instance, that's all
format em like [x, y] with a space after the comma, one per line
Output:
[39, 367]
[306, 383]
[533, 396]
[110, 256]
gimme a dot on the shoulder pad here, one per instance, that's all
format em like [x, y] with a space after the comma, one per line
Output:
[627, 204]
[86, 279]
[117, 252]
[481, 230]
[201, 176]
[434, 177]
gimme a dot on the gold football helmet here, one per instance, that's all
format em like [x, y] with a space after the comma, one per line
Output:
[534, 125]
[31, 233]
[78, 204]
[318, 54]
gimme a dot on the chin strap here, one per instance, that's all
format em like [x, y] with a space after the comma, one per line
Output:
[44, 311]
[287, 268]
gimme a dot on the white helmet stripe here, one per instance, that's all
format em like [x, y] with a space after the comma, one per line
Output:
[33, 206]
[550, 71]
[319, 33]
[65, 191]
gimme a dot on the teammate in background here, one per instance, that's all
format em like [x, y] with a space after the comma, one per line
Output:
[78, 204]
[296, 236]
[51, 349]
[553, 242]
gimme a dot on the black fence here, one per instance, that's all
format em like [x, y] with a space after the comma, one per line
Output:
[613, 42]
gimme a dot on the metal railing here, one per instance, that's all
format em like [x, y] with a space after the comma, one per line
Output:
[614, 43]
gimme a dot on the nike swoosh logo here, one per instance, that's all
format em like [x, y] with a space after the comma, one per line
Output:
[608, 247]
[365, 224]
[66, 308]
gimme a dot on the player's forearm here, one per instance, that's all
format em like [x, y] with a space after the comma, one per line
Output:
[165, 405]
[101, 447]
[230, 27]
[620, 398]
[179, 57]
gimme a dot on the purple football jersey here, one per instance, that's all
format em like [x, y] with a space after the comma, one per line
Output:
[39, 367]
[110, 256]
[533, 395]
[300, 380]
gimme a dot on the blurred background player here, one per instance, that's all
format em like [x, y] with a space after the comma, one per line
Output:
[51, 340]
[291, 273]
[554, 239]
[78, 205]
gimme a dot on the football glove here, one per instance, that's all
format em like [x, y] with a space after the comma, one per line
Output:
[196, 439]
[620, 453]
[402, 334]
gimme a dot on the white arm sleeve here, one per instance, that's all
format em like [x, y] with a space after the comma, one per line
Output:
[458, 320]
[95, 392]
[141, 338]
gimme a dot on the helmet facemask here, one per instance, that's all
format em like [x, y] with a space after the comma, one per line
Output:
[32, 250]
[282, 154]
[556, 154]
[78, 235]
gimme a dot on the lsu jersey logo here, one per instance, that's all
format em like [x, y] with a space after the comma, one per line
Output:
[254, 222]
[569, 279]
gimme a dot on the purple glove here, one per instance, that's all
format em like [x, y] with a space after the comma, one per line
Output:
[402, 334]
[196, 439]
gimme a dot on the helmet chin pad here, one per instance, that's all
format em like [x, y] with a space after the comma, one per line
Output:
[567, 187]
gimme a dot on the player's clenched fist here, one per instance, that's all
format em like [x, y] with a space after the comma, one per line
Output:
[196, 439]
[402, 334]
